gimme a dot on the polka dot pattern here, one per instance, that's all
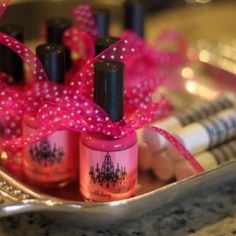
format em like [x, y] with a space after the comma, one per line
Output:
[70, 106]
[84, 19]
[11, 111]
[25, 53]
[152, 63]
[180, 147]
[5, 80]
[79, 42]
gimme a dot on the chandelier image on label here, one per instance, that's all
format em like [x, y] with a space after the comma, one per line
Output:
[108, 174]
[44, 154]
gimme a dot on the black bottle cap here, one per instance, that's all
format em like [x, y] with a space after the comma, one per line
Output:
[103, 43]
[54, 31]
[10, 62]
[102, 18]
[108, 88]
[134, 17]
[52, 57]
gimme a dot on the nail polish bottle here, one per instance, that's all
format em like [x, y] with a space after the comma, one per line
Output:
[10, 62]
[102, 19]
[54, 32]
[134, 14]
[12, 65]
[51, 162]
[103, 43]
[108, 167]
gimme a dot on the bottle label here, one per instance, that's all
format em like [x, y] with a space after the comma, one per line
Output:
[204, 110]
[220, 128]
[52, 159]
[108, 175]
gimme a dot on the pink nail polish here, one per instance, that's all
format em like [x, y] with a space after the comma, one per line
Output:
[11, 125]
[51, 162]
[108, 167]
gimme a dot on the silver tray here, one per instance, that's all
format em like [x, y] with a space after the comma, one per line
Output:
[17, 197]
[97, 215]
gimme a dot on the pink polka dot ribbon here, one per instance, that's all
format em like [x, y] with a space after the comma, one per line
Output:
[84, 19]
[70, 106]
[79, 42]
[81, 37]
[74, 99]
[180, 147]
[3, 6]
[33, 63]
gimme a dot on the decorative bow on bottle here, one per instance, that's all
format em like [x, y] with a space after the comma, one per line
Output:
[57, 107]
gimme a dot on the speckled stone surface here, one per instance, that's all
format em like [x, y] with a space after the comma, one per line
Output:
[210, 212]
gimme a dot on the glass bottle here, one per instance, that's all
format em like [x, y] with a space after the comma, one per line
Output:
[51, 162]
[108, 167]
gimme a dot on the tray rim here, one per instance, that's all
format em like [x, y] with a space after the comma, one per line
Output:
[43, 198]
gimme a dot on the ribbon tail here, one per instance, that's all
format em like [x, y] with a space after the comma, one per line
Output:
[181, 149]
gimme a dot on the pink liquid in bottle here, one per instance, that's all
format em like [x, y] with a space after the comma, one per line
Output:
[108, 167]
[52, 161]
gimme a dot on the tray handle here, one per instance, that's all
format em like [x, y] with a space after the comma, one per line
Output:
[12, 191]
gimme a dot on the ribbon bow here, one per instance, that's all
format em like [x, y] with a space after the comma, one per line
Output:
[70, 106]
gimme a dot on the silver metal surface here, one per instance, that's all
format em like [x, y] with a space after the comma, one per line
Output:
[104, 214]
[12, 190]
[219, 54]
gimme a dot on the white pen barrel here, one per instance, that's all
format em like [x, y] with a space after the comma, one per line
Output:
[208, 133]
[156, 142]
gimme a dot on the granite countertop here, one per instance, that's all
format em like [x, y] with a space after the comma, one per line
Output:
[211, 212]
